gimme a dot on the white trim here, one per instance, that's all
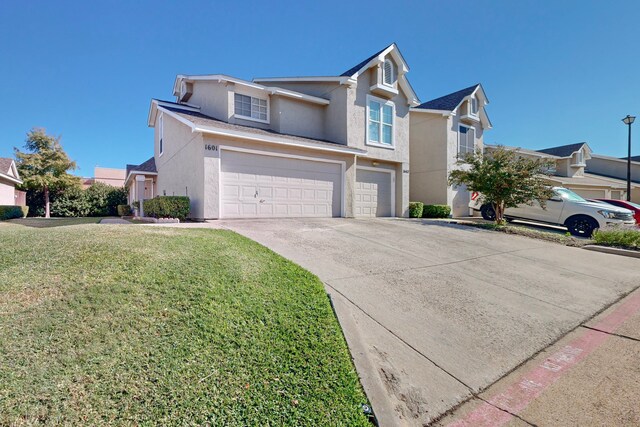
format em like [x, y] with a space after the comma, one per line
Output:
[382, 102]
[393, 183]
[10, 178]
[336, 79]
[271, 90]
[444, 113]
[342, 164]
[135, 172]
[615, 159]
[385, 88]
[392, 73]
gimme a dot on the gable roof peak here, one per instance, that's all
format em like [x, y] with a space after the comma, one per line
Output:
[450, 101]
[354, 70]
[565, 150]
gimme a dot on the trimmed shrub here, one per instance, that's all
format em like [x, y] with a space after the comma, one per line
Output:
[71, 203]
[10, 212]
[436, 211]
[104, 199]
[167, 207]
[415, 209]
[626, 238]
[124, 210]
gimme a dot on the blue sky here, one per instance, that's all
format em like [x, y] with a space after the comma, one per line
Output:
[556, 72]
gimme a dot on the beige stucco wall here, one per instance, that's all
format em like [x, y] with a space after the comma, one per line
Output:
[292, 117]
[180, 167]
[110, 176]
[7, 193]
[614, 168]
[212, 98]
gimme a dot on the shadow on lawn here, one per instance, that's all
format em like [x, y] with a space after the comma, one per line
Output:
[53, 222]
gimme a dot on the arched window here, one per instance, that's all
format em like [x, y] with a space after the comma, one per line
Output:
[388, 72]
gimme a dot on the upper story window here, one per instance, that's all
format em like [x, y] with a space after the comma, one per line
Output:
[466, 140]
[251, 108]
[473, 105]
[380, 122]
[388, 73]
[160, 133]
[579, 158]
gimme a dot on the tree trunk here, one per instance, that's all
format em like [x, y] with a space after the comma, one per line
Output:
[498, 208]
[46, 202]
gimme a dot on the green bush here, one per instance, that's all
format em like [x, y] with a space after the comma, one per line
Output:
[436, 211]
[10, 212]
[626, 238]
[167, 207]
[71, 203]
[104, 199]
[124, 210]
[415, 209]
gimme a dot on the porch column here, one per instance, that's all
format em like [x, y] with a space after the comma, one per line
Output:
[140, 193]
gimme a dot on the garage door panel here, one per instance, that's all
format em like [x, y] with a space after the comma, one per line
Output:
[277, 186]
[373, 193]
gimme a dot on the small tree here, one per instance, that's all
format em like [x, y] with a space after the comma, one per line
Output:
[504, 179]
[45, 165]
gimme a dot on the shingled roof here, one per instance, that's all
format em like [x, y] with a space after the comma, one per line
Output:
[448, 102]
[633, 158]
[563, 150]
[5, 165]
[148, 166]
[351, 71]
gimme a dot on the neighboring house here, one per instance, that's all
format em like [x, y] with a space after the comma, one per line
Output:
[110, 176]
[9, 177]
[141, 181]
[333, 146]
[443, 130]
[570, 163]
[612, 167]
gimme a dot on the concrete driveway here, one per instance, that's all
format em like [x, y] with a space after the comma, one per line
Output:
[434, 313]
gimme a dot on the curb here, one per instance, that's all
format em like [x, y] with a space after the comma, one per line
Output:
[613, 251]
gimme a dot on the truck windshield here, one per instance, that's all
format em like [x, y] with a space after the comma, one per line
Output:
[568, 195]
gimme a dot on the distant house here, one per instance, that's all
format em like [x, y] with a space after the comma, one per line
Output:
[616, 168]
[110, 176]
[141, 181]
[571, 171]
[9, 177]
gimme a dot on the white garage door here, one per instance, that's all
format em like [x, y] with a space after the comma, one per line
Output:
[259, 186]
[373, 193]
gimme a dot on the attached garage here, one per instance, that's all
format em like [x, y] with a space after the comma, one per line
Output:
[256, 185]
[374, 195]
[589, 193]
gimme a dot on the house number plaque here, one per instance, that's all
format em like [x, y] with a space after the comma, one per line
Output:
[210, 147]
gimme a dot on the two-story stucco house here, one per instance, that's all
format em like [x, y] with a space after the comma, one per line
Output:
[441, 131]
[9, 177]
[571, 170]
[286, 147]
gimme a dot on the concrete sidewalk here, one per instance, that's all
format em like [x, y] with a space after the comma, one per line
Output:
[591, 377]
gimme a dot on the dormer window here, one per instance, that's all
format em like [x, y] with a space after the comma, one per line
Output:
[388, 73]
[473, 105]
[579, 158]
[251, 108]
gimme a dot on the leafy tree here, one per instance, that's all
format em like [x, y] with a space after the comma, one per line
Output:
[504, 179]
[45, 165]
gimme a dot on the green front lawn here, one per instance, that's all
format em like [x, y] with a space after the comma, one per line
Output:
[130, 325]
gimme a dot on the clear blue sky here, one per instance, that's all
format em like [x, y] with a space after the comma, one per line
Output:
[556, 72]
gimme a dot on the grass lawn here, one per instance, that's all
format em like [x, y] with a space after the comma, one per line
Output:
[53, 222]
[131, 325]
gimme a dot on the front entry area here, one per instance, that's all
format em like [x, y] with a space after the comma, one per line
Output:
[374, 192]
[256, 185]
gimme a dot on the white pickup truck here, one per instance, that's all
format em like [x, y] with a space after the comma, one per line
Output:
[565, 208]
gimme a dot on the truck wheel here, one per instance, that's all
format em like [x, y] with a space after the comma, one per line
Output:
[581, 225]
[488, 213]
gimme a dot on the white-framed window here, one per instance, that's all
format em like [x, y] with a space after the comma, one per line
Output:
[380, 122]
[466, 140]
[473, 106]
[388, 73]
[251, 108]
[160, 133]
[579, 158]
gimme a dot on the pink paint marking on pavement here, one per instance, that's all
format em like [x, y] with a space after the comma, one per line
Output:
[532, 384]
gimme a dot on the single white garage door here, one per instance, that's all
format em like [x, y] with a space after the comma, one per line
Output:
[260, 186]
[374, 193]
[590, 194]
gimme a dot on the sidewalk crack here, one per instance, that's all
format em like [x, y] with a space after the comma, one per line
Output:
[611, 333]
